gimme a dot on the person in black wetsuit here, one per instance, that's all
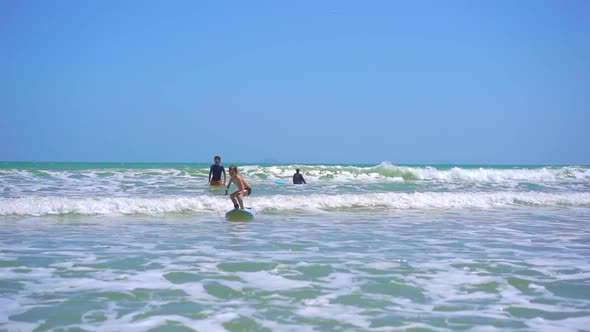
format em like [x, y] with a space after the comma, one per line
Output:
[298, 178]
[215, 173]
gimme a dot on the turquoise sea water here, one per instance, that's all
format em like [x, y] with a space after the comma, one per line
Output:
[145, 247]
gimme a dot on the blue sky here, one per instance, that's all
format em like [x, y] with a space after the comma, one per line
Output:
[493, 82]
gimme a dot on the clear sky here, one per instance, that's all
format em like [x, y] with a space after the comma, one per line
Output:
[490, 81]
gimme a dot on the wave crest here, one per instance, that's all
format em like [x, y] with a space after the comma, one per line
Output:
[321, 203]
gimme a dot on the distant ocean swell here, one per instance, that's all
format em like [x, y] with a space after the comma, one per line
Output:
[382, 171]
[324, 203]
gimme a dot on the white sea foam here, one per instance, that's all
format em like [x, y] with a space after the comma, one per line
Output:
[154, 181]
[314, 203]
[454, 174]
[477, 271]
[271, 282]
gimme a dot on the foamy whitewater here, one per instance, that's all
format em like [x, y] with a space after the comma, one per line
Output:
[146, 247]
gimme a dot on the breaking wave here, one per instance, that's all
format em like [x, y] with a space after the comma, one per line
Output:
[313, 203]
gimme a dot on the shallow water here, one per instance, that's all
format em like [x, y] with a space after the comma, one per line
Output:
[524, 269]
[145, 247]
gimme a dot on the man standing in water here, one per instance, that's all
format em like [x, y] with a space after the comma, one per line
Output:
[298, 177]
[215, 173]
[244, 189]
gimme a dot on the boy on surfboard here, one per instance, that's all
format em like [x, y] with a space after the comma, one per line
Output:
[215, 173]
[244, 189]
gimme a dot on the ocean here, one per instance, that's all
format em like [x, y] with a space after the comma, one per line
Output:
[146, 247]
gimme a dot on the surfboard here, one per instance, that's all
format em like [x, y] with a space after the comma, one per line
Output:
[279, 182]
[239, 215]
